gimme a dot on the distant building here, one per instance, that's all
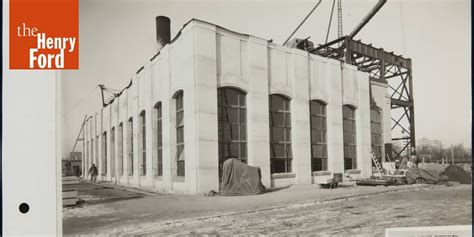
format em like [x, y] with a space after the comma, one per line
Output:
[212, 93]
[72, 165]
[75, 155]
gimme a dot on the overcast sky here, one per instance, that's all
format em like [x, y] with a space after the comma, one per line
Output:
[117, 37]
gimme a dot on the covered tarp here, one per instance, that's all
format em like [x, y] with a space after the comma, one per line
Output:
[240, 179]
[415, 175]
[457, 174]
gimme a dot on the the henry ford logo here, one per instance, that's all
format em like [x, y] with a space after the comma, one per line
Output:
[41, 56]
[44, 34]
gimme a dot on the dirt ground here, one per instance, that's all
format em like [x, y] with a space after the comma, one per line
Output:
[295, 210]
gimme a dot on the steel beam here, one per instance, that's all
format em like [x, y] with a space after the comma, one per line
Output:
[383, 66]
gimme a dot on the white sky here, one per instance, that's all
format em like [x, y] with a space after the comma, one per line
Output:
[117, 37]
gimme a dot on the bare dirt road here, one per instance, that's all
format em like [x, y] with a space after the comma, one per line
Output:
[296, 210]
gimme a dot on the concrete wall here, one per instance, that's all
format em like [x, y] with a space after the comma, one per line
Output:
[198, 62]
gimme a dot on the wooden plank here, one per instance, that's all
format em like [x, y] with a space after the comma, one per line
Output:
[69, 202]
[70, 194]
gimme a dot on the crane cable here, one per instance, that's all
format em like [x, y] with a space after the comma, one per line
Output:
[330, 20]
[302, 22]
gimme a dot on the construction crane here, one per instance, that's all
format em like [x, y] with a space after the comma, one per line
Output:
[339, 19]
[381, 65]
[367, 18]
[80, 135]
[113, 93]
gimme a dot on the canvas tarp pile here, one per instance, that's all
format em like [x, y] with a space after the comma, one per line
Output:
[240, 179]
[424, 176]
[457, 174]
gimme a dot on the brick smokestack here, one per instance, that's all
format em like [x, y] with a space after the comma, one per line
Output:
[163, 31]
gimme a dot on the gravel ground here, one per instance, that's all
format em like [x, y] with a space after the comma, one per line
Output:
[297, 210]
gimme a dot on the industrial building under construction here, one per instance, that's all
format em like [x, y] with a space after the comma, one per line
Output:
[300, 112]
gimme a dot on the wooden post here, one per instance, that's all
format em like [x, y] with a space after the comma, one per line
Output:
[452, 154]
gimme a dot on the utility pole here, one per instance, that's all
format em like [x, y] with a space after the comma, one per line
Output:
[452, 154]
[441, 151]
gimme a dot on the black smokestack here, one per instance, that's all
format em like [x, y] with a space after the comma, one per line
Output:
[163, 31]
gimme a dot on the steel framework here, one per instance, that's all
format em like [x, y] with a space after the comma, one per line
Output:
[382, 66]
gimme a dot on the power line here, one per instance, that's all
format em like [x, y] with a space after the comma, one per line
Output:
[81, 101]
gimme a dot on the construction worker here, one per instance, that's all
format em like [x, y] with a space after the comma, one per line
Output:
[93, 173]
[414, 159]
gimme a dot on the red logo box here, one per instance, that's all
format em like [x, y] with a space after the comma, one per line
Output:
[44, 34]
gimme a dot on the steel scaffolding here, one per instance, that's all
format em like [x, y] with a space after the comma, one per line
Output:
[386, 67]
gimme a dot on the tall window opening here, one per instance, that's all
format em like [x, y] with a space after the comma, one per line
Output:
[104, 153]
[180, 135]
[158, 157]
[97, 151]
[376, 132]
[120, 149]
[88, 158]
[232, 128]
[349, 128]
[92, 152]
[112, 152]
[281, 154]
[142, 143]
[130, 145]
[319, 154]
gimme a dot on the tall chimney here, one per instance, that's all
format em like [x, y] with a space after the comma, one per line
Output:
[163, 32]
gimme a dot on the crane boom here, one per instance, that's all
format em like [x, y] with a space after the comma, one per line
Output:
[367, 18]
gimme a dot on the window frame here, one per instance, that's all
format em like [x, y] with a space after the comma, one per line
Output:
[376, 137]
[142, 143]
[158, 142]
[97, 150]
[179, 125]
[112, 152]
[285, 126]
[353, 137]
[104, 153]
[130, 158]
[318, 163]
[226, 105]
[121, 149]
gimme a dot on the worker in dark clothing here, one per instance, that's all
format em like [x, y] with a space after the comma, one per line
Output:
[93, 173]
[414, 159]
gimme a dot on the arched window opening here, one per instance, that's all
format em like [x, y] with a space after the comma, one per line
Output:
[120, 149]
[142, 143]
[376, 133]
[180, 159]
[158, 155]
[319, 154]
[232, 125]
[349, 137]
[281, 154]
[112, 152]
[104, 153]
[130, 146]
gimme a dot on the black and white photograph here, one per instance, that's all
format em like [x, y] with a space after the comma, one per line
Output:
[259, 117]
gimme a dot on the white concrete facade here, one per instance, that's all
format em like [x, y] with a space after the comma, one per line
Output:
[205, 57]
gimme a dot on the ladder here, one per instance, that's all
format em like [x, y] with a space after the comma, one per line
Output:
[377, 163]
